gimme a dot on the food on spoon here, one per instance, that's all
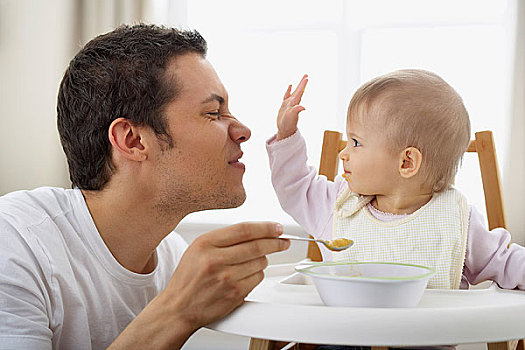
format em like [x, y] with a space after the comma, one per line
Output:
[341, 242]
[338, 243]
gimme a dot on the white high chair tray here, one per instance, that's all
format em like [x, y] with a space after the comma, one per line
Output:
[294, 312]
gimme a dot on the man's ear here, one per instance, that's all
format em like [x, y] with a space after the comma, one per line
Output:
[126, 139]
[410, 162]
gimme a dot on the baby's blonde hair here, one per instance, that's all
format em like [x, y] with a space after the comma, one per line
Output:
[417, 108]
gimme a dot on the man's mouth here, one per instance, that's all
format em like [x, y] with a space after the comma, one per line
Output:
[235, 161]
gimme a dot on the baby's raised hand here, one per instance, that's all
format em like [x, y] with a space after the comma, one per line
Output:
[290, 109]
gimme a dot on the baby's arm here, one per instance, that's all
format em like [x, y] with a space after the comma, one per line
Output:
[491, 256]
[306, 196]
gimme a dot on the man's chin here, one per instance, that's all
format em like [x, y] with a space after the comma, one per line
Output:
[236, 200]
[241, 200]
[227, 201]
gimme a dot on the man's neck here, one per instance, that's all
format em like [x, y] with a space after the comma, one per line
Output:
[129, 226]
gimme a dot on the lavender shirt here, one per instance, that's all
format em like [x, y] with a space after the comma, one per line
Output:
[309, 198]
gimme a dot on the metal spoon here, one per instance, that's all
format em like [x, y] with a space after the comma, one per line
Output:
[335, 245]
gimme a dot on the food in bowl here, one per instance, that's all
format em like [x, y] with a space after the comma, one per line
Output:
[369, 284]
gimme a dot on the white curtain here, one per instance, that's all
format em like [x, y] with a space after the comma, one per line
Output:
[100, 16]
[37, 41]
[514, 179]
[36, 44]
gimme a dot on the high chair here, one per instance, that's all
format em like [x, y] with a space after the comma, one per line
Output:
[483, 144]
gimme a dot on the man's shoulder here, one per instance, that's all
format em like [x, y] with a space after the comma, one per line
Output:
[29, 207]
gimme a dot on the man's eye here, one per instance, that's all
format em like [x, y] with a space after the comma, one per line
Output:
[215, 115]
[356, 143]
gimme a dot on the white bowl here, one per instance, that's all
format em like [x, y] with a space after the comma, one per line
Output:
[369, 284]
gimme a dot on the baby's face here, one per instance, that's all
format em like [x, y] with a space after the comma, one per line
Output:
[370, 166]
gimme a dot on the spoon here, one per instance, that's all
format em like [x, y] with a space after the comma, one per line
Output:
[335, 245]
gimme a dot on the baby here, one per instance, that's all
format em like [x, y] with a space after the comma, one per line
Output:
[406, 132]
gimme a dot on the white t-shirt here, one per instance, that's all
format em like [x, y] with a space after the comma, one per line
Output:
[60, 286]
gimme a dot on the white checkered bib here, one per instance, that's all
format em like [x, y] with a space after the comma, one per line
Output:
[435, 235]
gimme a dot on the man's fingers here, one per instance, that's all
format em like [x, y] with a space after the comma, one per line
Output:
[238, 272]
[246, 251]
[246, 285]
[243, 232]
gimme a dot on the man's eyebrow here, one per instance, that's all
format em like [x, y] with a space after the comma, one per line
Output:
[214, 97]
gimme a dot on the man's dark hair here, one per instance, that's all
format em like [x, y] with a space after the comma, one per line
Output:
[118, 74]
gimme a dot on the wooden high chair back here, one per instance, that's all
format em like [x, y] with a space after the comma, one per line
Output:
[483, 145]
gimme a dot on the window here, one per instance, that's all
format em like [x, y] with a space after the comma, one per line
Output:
[258, 48]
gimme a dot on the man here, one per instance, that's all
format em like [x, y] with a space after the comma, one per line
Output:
[144, 122]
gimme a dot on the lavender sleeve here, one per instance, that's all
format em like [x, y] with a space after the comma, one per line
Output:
[491, 256]
[307, 197]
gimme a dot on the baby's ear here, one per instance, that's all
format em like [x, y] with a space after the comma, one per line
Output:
[410, 162]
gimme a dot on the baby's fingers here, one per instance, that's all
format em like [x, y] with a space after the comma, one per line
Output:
[299, 90]
[287, 93]
[295, 110]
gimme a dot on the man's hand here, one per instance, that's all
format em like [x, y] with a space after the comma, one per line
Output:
[213, 277]
[289, 112]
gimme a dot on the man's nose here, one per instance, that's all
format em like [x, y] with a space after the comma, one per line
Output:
[239, 132]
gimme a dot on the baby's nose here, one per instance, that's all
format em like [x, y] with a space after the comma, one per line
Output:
[343, 155]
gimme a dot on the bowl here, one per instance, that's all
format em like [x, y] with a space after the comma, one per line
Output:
[368, 284]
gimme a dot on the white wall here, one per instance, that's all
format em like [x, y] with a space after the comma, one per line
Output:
[36, 44]
[34, 51]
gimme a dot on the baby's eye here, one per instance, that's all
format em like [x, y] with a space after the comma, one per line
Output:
[356, 143]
